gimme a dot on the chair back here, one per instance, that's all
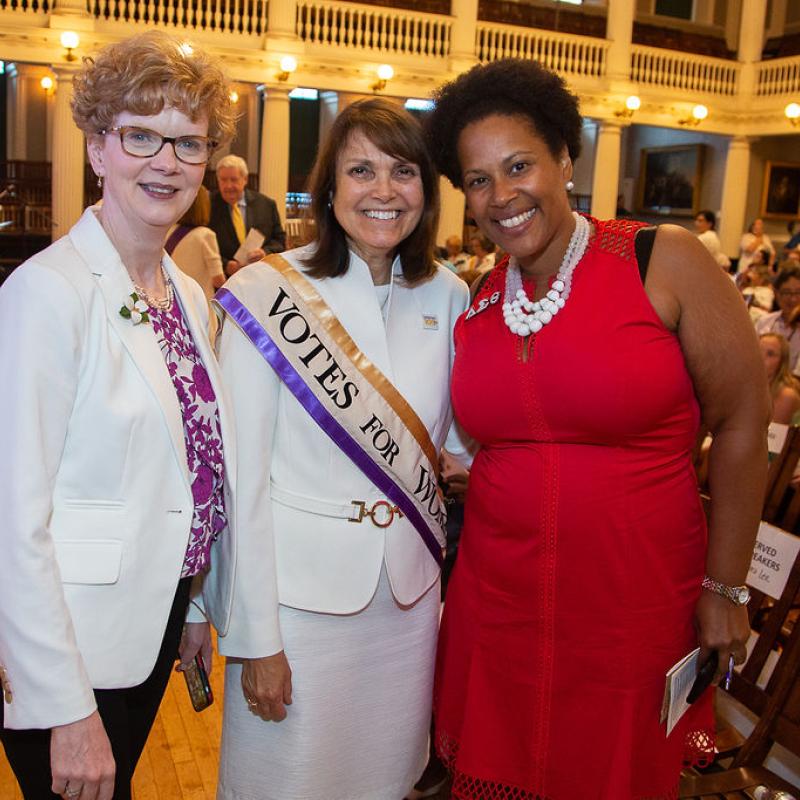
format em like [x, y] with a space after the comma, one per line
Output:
[779, 477]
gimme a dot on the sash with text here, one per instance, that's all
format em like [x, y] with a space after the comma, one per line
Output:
[345, 394]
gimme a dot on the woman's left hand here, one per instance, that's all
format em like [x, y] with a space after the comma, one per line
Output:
[723, 627]
[196, 639]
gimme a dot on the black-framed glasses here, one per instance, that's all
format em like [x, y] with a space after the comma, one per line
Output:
[144, 143]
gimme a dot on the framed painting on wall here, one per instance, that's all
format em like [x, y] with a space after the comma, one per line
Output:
[669, 180]
[780, 197]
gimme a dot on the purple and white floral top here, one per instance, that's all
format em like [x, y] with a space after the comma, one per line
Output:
[201, 431]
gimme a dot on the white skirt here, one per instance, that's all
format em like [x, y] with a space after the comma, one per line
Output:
[358, 725]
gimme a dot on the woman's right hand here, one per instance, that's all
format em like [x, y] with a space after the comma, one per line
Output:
[81, 760]
[267, 686]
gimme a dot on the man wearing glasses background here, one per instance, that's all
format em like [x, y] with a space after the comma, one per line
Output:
[235, 209]
[784, 321]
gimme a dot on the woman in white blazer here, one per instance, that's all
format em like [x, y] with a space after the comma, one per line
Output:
[333, 627]
[111, 481]
[193, 245]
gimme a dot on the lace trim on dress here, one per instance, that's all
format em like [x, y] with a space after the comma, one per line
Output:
[699, 752]
[617, 236]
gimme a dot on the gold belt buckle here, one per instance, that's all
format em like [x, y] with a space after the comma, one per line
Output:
[360, 511]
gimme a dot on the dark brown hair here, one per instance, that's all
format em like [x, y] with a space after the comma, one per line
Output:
[395, 132]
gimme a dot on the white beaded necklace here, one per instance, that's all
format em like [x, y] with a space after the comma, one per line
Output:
[162, 303]
[524, 316]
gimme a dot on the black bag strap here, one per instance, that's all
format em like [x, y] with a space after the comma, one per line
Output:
[643, 245]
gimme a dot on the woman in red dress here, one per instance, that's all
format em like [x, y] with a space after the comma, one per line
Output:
[585, 569]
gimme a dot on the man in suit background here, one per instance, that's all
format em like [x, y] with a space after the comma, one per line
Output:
[235, 209]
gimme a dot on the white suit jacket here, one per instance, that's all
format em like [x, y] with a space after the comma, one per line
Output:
[295, 557]
[94, 485]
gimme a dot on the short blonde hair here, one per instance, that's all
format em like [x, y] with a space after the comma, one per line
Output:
[146, 73]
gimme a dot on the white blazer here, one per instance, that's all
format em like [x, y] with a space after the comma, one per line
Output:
[94, 485]
[294, 557]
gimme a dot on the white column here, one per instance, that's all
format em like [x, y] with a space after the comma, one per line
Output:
[605, 182]
[751, 43]
[328, 109]
[20, 87]
[273, 172]
[619, 32]
[249, 100]
[68, 148]
[451, 215]
[462, 34]
[734, 196]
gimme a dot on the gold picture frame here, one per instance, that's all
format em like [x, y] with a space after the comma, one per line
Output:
[669, 180]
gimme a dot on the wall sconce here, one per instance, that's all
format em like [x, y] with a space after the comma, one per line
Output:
[69, 41]
[234, 96]
[385, 74]
[632, 103]
[288, 66]
[47, 84]
[699, 113]
[792, 112]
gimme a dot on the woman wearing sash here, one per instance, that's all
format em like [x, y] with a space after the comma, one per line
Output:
[117, 443]
[585, 570]
[333, 628]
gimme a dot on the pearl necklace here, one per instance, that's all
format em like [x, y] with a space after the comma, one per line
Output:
[523, 316]
[163, 303]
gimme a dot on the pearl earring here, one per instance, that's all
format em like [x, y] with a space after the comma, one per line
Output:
[569, 186]
[99, 181]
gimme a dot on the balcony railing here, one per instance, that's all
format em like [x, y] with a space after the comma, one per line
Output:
[388, 31]
[684, 71]
[221, 16]
[573, 55]
[781, 76]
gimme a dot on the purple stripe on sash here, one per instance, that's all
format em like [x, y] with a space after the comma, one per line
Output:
[349, 446]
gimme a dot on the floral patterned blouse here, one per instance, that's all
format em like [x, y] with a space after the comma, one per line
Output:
[201, 431]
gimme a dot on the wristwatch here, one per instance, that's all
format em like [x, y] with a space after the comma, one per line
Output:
[738, 595]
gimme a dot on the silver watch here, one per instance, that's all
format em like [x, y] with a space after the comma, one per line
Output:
[738, 595]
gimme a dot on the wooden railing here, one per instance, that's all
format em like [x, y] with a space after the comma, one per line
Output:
[684, 71]
[574, 55]
[373, 28]
[781, 76]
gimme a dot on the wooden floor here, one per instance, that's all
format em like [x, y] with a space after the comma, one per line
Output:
[180, 759]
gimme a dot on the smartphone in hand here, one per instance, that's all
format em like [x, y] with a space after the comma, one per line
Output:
[198, 685]
[704, 676]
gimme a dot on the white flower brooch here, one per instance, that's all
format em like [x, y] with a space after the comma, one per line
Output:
[135, 309]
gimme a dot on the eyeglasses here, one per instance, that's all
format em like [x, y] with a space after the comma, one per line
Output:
[789, 292]
[144, 143]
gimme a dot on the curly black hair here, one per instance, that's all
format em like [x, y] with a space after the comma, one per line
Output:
[511, 87]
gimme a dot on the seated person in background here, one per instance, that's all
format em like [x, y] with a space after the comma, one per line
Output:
[783, 386]
[754, 240]
[756, 287]
[194, 247]
[787, 293]
[704, 224]
[794, 237]
[483, 248]
[236, 209]
[456, 254]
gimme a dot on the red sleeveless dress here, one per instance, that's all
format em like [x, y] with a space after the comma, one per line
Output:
[582, 551]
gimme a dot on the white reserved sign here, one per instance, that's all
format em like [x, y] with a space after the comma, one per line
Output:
[776, 436]
[773, 558]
